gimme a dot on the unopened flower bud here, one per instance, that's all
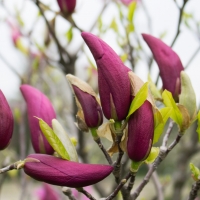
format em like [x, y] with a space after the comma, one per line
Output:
[38, 105]
[168, 62]
[60, 172]
[6, 122]
[140, 132]
[87, 101]
[67, 6]
[113, 80]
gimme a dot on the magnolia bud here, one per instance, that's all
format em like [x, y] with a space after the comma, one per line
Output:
[168, 62]
[38, 105]
[140, 132]
[6, 122]
[67, 6]
[60, 172]
[113, 80]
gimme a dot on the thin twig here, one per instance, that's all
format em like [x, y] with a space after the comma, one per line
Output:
[181, 9]
[158, 186]
[131, 183]
[192, 58]
[8, 168]
[67, 191]
[194, 190]
[60, 48]
[167, 134]
[87, 194]
[119, 187]
[108, 158]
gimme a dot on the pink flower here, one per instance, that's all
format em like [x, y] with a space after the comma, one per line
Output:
[127, 2]
[140, 132]
[47, 192]
[67, 6]
[61, 172]
[6, 122]
[168, 62]
[113, 80]
[38, 105]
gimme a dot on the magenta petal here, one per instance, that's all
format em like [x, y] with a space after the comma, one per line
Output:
[61, 172]
[140, 132]
[91, 109]
[168, 62]
[6, 122]
[38, 105]
[67, 6]
[113, 77]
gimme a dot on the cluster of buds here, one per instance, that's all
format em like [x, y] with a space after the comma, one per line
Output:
[118, 87]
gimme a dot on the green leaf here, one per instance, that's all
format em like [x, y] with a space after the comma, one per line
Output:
[130, 28]
[113, 25]
[154, 90]
[65, 140]
[139, 99]
[153, 155]
[160, 121]
[100, 24]
[187, 97]
[176, 114]
[131, 11]
[195, 171]
[124, 57]
[198, 123]
[53, 139]
[69, 34]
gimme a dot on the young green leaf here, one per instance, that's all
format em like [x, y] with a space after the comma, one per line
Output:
[113, 25]
[153, 155]
[139, 99]
[154, 90]
[160, 122]
[131, 11]
[53, 140]
[195, 171]
[176, 114]
[69, 34]
[198, 123]
[187, 97]
[65, 140]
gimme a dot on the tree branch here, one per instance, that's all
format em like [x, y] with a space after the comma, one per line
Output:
[194, 190]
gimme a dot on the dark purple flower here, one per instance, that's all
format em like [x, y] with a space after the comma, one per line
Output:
[67, 6]
[6, 122]
[38, 105]
[113, 80]
[168, 62]
[140, 132]
[61, 172]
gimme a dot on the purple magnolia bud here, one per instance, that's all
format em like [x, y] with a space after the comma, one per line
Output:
[140, 132]
[38, 105]
[87, 102]
[91, 109]
[6, 122]
[61, 172]
[67, 6]
[168, 62]
[113, 80]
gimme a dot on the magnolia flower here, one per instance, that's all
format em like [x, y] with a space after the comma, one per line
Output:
[67, 6]
[6, 122]
[61, 172]
[46, 192]
[38, 105]
[87, 102]
[127, 2]
[168, 62]
[114, 84]
[140, 132]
